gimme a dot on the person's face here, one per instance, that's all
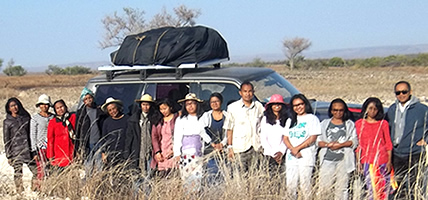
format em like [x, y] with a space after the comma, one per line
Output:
[276, 107]
[337, 110]
[113, 110]
[13, 108]
[165, 110]
[298, 106]
[145, 107]
[401, 89]
[215, 103]
[60, 109]
[88, 100]
[372, 110]
[44, 107]
[247, 93]
[191, 106]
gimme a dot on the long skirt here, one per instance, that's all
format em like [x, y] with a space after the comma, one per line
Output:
[191, 168]
[378, 181]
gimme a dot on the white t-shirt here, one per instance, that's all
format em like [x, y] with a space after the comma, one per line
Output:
[307, 125]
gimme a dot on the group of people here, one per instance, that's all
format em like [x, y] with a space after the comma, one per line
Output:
[157, 138]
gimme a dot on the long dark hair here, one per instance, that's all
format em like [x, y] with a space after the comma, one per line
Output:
[308, 108]
[380, 114]
[21, 109]
[346, 113]
[271, 117]
[157, 115]
[199, 110]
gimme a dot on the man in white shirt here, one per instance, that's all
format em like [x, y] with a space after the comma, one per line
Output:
[243, 132]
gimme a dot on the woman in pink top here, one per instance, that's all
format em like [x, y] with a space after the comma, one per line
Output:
[374, 150]
[162, 138]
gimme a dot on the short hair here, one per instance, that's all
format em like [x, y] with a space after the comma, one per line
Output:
[404, 82]
[380, 114]
[346, 113]
[247, 83]
[218, 95]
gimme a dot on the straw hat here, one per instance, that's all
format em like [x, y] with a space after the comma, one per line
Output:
[190, 96]
[276, 98]
[145, 98]
[43, 99]
[109, 101]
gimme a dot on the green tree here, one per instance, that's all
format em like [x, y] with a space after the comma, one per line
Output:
[336, 62]
[74, 70]
[54, 70]
[293, 48]
[1, 62]
[16, 70]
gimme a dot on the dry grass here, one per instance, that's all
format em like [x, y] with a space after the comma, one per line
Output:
[120, 183]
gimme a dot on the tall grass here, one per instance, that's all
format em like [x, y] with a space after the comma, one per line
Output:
[120, 182]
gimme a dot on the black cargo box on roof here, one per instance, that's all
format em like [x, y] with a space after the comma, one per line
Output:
[171, 46]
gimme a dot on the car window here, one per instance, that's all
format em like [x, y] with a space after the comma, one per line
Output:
[266, 86]
[127, 93]
[230, 92]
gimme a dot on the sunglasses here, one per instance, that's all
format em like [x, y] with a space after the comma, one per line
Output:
[337, 110]
[401, 92]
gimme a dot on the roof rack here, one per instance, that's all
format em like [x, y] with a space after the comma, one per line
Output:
[111, 69]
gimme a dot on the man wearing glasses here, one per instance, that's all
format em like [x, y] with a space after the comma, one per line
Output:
[408, 123]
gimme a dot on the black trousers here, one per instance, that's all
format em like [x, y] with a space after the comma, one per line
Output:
[409, 170]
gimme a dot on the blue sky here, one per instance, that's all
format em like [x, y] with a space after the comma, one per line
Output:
[40, 33]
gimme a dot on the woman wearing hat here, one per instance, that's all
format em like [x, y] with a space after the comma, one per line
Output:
[113, 132]
[16, 137]
[272, 127]
[188, 135]
[39, 137]
[61, 136]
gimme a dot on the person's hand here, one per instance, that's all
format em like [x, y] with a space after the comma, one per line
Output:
[360, 169]
[159, 157]
[36, 157]
[176, 161]
[278, 157]
[230, 154]
[421, 143]
[388, 166]
[104, 158]
[294, 152]
[298, 155]
[335, 146]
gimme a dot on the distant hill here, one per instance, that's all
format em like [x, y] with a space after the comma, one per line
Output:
[364, 52]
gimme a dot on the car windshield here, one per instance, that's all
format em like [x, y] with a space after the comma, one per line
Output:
[266, 86]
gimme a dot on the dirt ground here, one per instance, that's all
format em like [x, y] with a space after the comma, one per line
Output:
[354, 85]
